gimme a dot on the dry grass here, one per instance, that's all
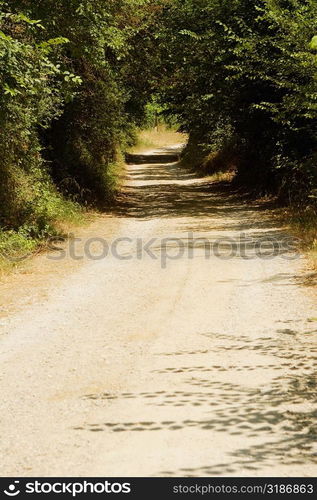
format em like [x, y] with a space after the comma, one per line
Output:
[221, 176]
[156, 139]
[313, 257]
[303, 224]
[17, 250]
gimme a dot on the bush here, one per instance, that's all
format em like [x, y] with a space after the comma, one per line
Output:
[242, 74]
[30, 98]
[70, 100]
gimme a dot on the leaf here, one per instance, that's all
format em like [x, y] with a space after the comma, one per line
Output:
[207, 97]
[313, 43]
[5, 37]
[70, 77]
[58, 41]
[10, 91]
[54, 41]
[23, 17]
[191, 34]
[47, 46]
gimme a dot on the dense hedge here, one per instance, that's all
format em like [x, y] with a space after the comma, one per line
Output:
[245, 82]
[71, 96]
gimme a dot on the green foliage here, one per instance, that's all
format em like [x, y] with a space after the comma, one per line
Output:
[243, 72]
[70, 99]
[31, 96]
[313, 43]
[99, 53]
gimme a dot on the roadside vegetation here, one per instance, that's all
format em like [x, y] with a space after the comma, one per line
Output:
[80, 79]
[71, 99]
[241, 79]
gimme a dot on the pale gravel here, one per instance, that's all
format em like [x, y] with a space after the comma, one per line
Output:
[122, 368]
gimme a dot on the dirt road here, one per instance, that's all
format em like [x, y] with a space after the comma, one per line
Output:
[198, 366]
